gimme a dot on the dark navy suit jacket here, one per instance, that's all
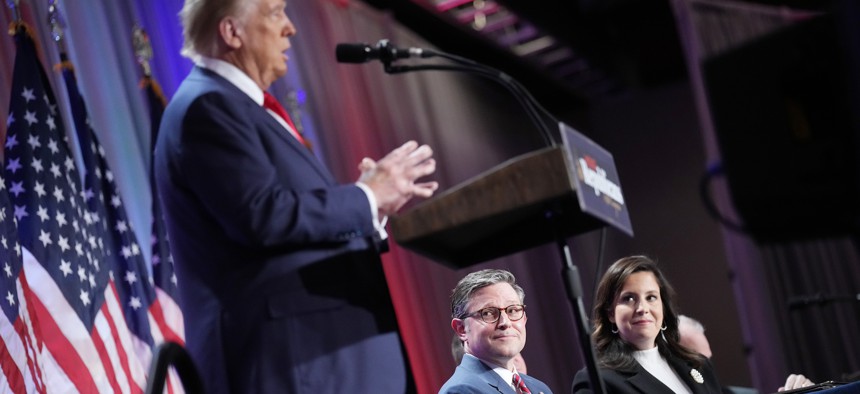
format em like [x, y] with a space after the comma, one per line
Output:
[279, 273]
[642, 382]
[473, 376]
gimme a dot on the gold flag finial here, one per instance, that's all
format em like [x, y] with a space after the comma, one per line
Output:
[142, 48]
[17, 23]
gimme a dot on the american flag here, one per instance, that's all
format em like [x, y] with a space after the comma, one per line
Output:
[81, 339]
[162, 261]
[20, 373]
[142, 309]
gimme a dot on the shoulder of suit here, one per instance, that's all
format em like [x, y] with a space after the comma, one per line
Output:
[537, 386]
[464, 382]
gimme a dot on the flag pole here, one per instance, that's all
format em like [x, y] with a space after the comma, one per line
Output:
[16, 9]
[57, 24]
[162, 263]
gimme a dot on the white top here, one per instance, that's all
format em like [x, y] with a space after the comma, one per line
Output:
[656, 365]
[244, 83]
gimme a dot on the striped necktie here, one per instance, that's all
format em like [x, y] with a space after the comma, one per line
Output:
[520, 385]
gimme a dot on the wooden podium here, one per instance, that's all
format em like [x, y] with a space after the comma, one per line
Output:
[522, 203]
[543, 196]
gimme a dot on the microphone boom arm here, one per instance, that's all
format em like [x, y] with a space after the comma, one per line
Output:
[533, 109]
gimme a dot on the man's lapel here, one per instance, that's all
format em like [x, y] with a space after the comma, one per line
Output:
[486, 374]
[297, 147]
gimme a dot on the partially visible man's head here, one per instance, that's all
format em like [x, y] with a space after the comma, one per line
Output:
[489, 316]
[693, 336]
[520, 363]
[252, 35]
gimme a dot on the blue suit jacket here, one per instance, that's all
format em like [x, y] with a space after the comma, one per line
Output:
[278, 265]
[642, 382]
[473, 376]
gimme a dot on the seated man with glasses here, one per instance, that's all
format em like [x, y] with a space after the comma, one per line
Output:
[489, 317]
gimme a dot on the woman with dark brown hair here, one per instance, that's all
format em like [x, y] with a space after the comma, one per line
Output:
[636, 336]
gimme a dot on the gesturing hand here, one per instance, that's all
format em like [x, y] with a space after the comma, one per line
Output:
[392, 178]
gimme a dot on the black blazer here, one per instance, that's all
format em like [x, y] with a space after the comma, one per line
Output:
[642, 382]
[278, 265]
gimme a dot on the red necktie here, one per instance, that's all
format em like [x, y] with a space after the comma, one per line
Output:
[520, 385]
[271, 103]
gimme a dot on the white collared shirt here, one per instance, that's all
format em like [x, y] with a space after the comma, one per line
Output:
[242, 81]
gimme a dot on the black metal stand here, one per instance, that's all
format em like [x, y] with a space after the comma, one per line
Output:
[573, 285]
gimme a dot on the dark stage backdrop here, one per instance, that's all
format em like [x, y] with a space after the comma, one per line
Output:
[354, 111]
[802, 294]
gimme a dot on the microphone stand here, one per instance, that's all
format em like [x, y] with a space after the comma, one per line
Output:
[533, 109]
[570, 274]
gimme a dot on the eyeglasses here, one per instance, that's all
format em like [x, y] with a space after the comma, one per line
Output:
[492, 314]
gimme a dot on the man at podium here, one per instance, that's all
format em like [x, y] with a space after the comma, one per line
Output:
[278, 264]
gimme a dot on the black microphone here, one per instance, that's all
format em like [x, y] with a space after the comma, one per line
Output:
[362, 53]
